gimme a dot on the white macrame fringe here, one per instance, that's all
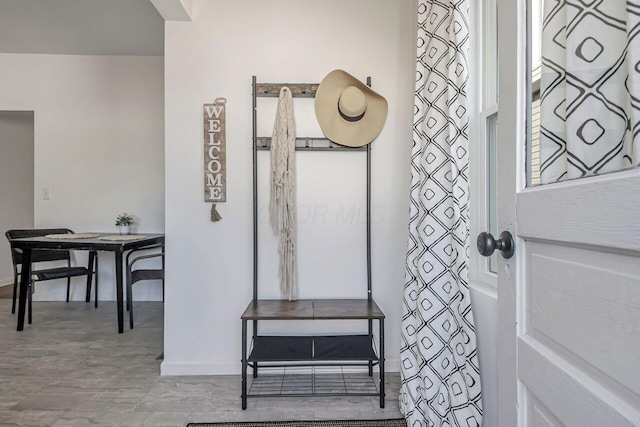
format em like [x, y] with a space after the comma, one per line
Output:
[282, 202]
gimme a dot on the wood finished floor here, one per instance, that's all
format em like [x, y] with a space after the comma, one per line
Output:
[71, 368]
[6, 291]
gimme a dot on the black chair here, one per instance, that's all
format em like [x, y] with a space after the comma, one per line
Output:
[45, 255]
[134, 276]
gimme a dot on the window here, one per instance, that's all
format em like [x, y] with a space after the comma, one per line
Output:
[484, 136]
[533, 150]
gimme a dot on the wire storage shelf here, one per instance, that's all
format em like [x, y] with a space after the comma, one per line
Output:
[314, 381]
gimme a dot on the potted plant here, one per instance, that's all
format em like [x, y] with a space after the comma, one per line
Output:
[124, 221]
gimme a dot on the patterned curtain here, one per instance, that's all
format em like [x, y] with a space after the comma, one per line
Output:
[590, 88]
[440, 373]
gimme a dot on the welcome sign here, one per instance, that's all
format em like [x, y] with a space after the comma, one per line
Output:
[215, 152]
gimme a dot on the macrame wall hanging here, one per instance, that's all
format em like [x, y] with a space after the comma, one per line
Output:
[215, 155]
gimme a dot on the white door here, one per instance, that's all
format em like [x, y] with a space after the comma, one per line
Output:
[569, 300]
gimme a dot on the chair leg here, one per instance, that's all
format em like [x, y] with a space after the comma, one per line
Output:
[30, 298]
[96, 278]
[130, 300]
[127, 284]
[131, 317]
[87, 296]
[15, 292]
[68, 287]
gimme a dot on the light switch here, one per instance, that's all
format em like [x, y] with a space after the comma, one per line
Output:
[46, 194]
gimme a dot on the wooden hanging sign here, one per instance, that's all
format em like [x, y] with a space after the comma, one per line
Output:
[215, 151]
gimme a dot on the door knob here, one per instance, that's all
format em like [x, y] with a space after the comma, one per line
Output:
[487, 244]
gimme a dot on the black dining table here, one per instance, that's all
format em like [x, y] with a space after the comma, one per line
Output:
[118, 247]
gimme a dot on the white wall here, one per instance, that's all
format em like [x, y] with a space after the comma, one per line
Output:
[16, 180]
[209, 265]
[99, 133]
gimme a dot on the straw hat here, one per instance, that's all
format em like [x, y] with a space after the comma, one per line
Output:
[348, 111]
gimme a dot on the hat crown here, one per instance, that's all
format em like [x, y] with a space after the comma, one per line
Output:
[352, 102]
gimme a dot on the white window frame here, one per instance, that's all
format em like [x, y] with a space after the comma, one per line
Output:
[483, 105]
[535, 8]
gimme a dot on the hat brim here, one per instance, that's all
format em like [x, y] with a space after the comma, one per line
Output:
[334, 126]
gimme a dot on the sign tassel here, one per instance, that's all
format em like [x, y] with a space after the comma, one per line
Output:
[215, 215]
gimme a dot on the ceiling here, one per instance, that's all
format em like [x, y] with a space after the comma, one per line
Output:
[81, 27]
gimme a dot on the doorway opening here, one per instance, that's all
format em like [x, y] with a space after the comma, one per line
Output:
[16, 184]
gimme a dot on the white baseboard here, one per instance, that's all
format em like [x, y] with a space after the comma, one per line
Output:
[204, 368]
[235, 368]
